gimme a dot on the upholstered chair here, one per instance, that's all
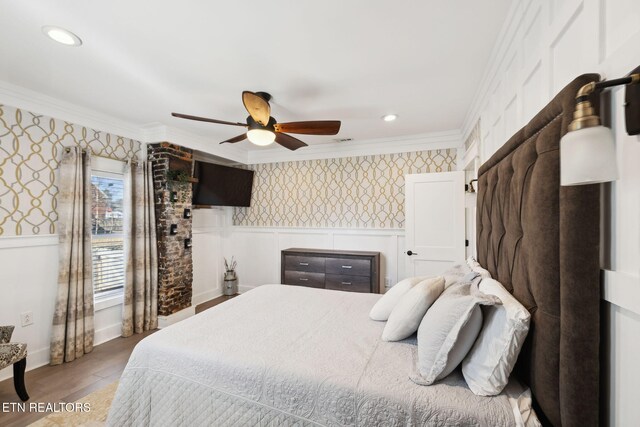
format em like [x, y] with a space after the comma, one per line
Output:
[14, 354]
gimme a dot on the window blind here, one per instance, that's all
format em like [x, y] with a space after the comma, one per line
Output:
[107, 239]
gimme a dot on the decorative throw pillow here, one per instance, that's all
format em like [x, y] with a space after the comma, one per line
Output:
[448, 330]
[455, 274]
[489, 363]
[407, 314]
[475, 266]
[382, 309]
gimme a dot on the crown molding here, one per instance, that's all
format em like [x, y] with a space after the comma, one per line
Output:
[198, 142]
[29, 100]
[411, 143]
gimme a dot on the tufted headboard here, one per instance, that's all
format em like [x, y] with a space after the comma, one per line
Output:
[541, 241]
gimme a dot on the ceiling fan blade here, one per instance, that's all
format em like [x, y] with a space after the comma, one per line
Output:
[204, 119]
[235, 139]
[257, 107]
[318, 127]
[287, 141]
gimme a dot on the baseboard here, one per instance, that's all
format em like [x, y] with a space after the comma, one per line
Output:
[107, 334]
[35, 359]
[38, 358]
[206, 296]
[164, 321]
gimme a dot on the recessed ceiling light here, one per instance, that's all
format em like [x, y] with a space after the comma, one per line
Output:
[61, 35]
[389, 117]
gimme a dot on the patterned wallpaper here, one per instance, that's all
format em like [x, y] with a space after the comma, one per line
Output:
[30, 148]
[355, 192]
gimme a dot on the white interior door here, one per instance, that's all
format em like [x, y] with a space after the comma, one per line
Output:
[434, 222]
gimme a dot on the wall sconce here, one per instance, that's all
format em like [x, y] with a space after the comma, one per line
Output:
[469, 188]
[187, 214]
[187, 243]
[173, 229]
[587, 151]
[174, 196]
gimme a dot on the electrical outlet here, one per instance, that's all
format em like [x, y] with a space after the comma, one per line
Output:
[387, 282]
[26, 318]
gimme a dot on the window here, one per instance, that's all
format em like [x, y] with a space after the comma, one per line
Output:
[107, 236]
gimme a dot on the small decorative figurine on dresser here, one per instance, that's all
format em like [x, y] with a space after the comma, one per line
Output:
[230, 286]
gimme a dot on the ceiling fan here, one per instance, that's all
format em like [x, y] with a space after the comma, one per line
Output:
[264, 130]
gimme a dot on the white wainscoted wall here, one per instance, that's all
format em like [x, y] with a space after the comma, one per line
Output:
[208, 231]
[29, 281]
[257, 249]
[543, 46]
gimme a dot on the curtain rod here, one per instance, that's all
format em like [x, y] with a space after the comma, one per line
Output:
[134, 159]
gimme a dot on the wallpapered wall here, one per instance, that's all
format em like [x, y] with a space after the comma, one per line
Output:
[354, 192]
[30, 148]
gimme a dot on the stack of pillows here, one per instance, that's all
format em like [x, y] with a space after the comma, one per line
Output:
[452, 327]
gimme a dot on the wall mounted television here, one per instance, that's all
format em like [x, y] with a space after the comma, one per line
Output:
[221, 185]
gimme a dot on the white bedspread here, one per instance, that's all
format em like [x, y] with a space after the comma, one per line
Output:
[284, 355]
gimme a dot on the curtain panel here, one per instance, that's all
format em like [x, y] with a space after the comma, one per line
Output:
[73, 330]
[140, 311]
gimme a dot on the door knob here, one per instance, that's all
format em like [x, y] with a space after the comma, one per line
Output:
[411, 253]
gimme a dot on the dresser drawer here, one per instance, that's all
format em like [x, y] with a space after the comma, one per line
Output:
[302, 278]
[341, 282]
[304, 263]
[352, 267]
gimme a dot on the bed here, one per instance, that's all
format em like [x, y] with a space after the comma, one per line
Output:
[286, 355]
[281, 355]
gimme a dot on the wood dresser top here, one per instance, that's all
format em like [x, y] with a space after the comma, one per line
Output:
[331, 252]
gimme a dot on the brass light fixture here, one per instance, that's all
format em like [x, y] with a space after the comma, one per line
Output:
[587, 151]
[469, 188]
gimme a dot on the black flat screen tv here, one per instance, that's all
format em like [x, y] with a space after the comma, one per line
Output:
[221, 185]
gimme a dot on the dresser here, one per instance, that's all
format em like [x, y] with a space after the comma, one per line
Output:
[354, 271]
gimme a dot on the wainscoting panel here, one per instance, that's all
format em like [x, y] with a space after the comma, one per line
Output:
[292, 239]
[25, 288]
[258, 249]
[554, 42]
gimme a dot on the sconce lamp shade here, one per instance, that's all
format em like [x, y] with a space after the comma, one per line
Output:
[588, 156]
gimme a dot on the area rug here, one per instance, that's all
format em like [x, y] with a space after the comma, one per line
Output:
[99, 401]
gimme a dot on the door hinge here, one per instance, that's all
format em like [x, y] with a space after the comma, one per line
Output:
[466, 242]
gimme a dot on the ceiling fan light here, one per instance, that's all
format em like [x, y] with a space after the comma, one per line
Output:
[261, 136]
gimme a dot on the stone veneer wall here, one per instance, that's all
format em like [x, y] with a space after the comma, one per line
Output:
[175, 264]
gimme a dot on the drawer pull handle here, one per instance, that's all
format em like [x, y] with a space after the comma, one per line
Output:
[346, 283]
[302, 279]
[347, 266]
[304, 263]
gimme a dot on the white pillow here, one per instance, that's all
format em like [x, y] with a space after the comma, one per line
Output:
[455, 274]
[448, 330]
[475, 266]
[407, 314]
[382, 309]
[489, 363]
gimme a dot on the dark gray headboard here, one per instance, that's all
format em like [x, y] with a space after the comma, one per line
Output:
[541, 241]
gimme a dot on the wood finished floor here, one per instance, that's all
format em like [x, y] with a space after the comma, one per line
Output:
[72, 381]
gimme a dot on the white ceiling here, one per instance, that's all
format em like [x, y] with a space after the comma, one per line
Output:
[348, 60]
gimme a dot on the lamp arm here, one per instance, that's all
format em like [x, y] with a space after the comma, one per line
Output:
[589, 88]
